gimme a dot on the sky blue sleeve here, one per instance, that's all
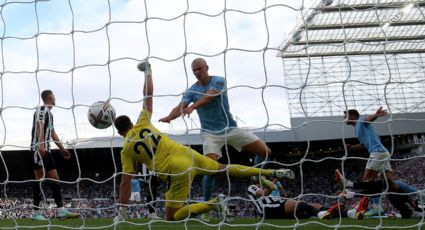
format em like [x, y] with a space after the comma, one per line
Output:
[362, 121]
[218, 84]
[187, 96]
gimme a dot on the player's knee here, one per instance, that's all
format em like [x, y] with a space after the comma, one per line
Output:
[264, 150]
[221, 166]
[213, 156]
[268, 151]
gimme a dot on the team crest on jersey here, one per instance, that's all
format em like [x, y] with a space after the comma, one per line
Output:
[220, 83]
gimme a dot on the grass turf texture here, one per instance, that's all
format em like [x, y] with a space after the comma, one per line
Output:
[241, 224]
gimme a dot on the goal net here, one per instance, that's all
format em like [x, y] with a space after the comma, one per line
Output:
[292, 68]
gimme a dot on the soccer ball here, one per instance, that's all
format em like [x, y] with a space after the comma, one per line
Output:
[101, 114]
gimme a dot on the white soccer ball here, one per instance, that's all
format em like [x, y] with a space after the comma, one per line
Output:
[101, 114]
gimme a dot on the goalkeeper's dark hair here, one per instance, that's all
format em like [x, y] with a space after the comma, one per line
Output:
[352, 112]
[123, 123]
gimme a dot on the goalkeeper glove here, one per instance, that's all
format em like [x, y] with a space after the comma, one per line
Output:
[145, 67]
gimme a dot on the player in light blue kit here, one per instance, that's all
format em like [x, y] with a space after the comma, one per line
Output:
[379, 159]
[135, 190]
[378, 163]
[208, 96]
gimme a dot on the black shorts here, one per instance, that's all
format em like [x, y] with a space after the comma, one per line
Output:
[277, 212]
[47, 161]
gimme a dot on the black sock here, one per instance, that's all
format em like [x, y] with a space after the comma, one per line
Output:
[36, 195]
[151, 195]
[370, 187]
[402, 204]
[57, 195]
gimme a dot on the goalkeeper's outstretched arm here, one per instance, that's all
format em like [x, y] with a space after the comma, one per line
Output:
[148, 85]
[148, 92]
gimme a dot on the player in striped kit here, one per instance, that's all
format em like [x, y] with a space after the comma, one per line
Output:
[44, 166]
[150, 185]
[275, 207]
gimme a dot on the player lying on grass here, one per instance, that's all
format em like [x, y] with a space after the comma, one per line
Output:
[277, 207]
[173, 162]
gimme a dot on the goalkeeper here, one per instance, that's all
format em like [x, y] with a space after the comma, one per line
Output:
[175, 163]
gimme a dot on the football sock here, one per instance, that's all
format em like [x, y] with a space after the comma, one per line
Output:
[401, 203]
[370, 187]
[57, 195]
[36, 195]
[245, 171]
[194, 209]
[405, 187]
[208, 183]
[258, 159]
[376, 201]
[151, 195]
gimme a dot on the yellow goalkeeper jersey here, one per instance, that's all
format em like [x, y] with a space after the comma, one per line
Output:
[146, 144]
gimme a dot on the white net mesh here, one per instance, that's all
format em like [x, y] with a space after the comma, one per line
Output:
[337, 55]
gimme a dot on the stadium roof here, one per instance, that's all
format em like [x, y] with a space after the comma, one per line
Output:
[305, 129]
[358, 27]
[313, 129]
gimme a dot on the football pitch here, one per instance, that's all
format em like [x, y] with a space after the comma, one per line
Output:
[238, 224]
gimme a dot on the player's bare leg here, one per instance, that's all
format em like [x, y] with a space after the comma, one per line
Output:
[259, 148]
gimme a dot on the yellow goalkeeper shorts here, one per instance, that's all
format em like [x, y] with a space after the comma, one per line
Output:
[184, 167]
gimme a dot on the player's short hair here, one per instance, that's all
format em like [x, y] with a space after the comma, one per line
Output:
[122, 123]
[45, 94]
[199, 60]
[352, 112]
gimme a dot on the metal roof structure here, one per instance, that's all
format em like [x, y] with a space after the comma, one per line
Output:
[356, 54]
[315, 129]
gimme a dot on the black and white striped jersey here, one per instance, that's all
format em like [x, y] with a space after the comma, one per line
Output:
[265, 201]
[43, 115]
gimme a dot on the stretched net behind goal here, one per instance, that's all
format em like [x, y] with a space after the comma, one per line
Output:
[291, 70]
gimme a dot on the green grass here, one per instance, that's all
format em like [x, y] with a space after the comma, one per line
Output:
[239, 224]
